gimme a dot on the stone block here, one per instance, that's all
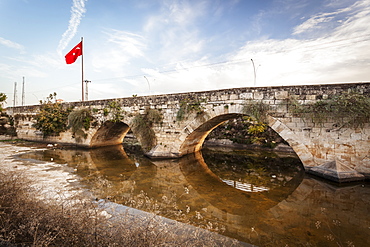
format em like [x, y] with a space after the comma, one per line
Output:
[317, 130]
[224, 97]
[336, 171]
[356, 136]
[311, 97]
[257, 95]
[234, 97]
[213, 98]
[308, 102]
[291, 125]
[281, 108]
[246, 96]
[280, 95]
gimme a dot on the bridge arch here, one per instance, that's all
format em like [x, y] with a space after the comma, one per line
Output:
[197, 130]
[109, 133]
[112, 133]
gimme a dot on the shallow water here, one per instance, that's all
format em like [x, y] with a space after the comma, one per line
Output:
[261, 198]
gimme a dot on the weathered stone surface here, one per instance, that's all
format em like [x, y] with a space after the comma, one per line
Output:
[336, 171]
[314, 143]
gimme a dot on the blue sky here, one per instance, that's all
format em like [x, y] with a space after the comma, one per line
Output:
[166, 46]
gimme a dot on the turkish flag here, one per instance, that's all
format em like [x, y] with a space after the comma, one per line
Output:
[72, 56]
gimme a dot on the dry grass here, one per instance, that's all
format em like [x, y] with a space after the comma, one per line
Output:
[27, 220]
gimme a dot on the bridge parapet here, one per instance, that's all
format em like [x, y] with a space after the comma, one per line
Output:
[187, 118]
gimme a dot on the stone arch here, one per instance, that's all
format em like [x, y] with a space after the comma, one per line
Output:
[197, 130]
[195, 139]
[110, 133]
[290, 137]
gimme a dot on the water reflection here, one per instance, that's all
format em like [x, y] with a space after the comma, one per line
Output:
[259, 198]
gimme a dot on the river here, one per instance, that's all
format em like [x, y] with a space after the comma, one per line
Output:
[259, 197]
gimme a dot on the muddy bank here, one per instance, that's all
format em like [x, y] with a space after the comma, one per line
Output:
[60, 182]
[54, 180]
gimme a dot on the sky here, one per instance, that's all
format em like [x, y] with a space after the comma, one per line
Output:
[151, 47]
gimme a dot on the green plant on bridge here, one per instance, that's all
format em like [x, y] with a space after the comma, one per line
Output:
[79, 121]
[257, 118]
[256, 109]
[256, 130]
[188, 106]
[52, 117]
[350, 109]
[142, 126]
[3, 98]
[114, 108]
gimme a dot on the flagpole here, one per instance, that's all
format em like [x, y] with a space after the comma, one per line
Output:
[82, 68]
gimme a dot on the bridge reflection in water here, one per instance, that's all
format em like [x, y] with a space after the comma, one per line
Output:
[255, 197]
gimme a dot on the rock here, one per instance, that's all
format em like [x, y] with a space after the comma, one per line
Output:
[336, 171]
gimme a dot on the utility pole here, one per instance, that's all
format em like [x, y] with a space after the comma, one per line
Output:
[15, 94]
[86, 90]
[23, 98]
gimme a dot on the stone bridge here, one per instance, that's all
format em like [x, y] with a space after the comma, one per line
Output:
[173, 125]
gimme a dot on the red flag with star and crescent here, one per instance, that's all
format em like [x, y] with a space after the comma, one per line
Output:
[72, 56]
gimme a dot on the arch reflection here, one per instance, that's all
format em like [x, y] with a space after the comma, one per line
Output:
[193, 190]
[186, 189]
[221, 190]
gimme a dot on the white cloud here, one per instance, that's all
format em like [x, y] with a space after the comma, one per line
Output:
[119, 49]
[11, 44]
[77, 11]
[322, 20]
[174, 33]
[336, 55]
[130, 43]
[341, 54]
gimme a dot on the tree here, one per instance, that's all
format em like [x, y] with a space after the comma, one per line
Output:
[3, 97]
[52, 118]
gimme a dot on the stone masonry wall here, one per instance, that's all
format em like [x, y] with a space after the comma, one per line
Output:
[315, 144]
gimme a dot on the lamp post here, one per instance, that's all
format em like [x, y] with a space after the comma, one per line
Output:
[255, 72]
[148, 83]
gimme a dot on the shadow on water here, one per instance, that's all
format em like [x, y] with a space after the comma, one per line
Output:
[257, 197]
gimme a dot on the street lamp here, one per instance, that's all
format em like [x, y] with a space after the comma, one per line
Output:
[255, 72]
[148, 83]
[254, 69]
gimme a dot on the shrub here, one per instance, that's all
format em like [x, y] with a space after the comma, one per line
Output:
[188, 106]
[3, 98]
[79, 121]
[52, 117]
[114, 108]
[142, 127]
[350, 109]
[257, 110]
